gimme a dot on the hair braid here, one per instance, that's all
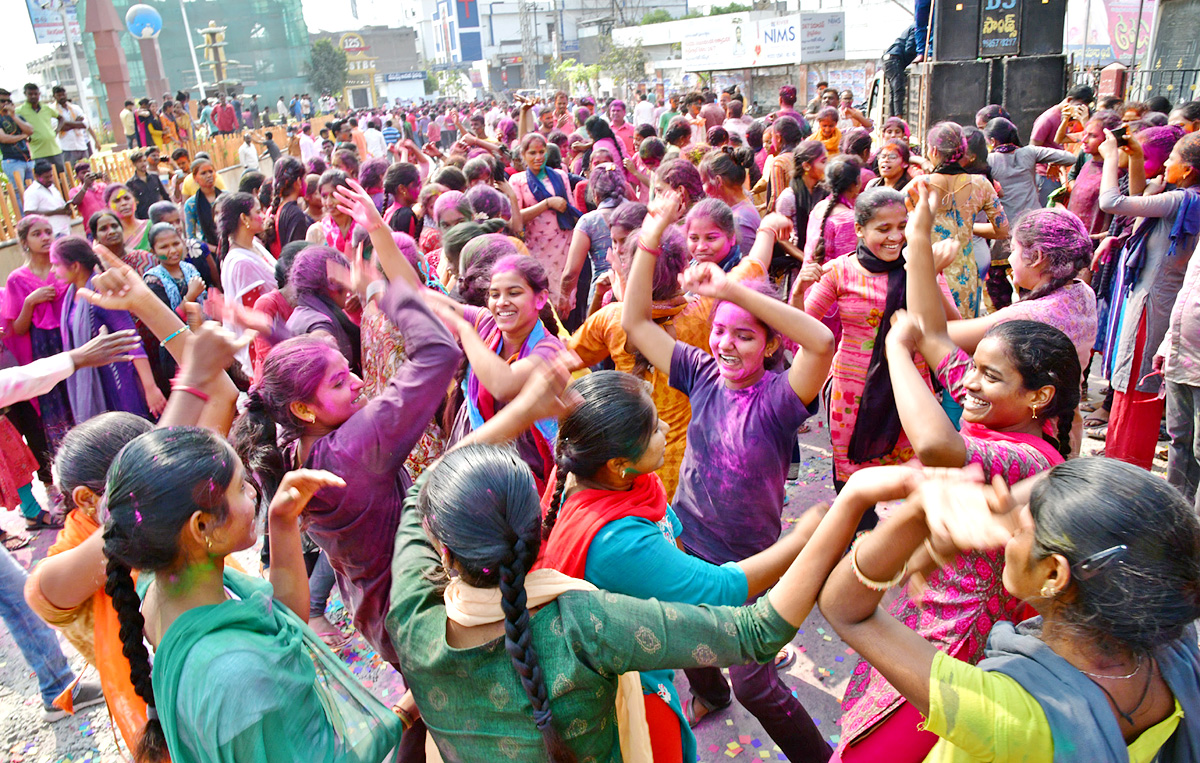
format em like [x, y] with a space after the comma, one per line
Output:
[152, 743]
[560, 484]
[819, 249]
[518, 642]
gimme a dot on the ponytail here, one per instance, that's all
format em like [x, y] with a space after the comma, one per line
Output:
[152, 742]
[255, 438]
[819, 250]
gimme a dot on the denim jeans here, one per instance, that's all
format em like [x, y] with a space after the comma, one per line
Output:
[320, 584]
[1183, 452]
[36, 640]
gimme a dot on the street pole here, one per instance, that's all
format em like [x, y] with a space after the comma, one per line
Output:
[62, 14]
[192, 49]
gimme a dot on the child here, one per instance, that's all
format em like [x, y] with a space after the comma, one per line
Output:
[711, 232]
[725, 179]
[173, 279]
[732, 392]
[831, 226]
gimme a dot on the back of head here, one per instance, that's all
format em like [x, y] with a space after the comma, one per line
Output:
[370, 175]
[606, 182]
[683, 176]
[614, 418]
[475, 265]
[489, 202]
[310, 271]
[1058, 236]
[85, 453]
[481, 503]
[947, 139]
[1002, 132]
[856, 142]
[156, 483]
[1133, 545]
[789, 132]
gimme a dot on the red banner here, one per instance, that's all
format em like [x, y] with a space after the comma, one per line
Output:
[1122, 20]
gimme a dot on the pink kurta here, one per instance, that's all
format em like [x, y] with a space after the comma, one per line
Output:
[860, 298]
[840, 238]
[963, 601]
[546, 242]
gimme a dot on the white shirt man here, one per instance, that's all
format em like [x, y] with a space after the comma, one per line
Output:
[376, 145]
[248, 156]
[643, 113]
[74, 139]
[47, 200]
[308, 147]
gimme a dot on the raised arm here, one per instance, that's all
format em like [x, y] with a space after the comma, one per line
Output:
[637, 316]
[288, 575]
[933, 436]
[503, 379]
[811, 365]
[924, 296]
[357, 203]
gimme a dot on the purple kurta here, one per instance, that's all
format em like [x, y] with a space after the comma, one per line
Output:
[356, 525]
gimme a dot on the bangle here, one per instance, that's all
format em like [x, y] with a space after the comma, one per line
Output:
[194, 391]
[654, 250]
[177, 333]
[937, 558]
[874, 585]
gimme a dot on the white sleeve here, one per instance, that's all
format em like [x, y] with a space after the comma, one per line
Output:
[34, 379]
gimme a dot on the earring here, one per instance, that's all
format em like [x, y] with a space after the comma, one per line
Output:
[1034, 409]
[1048, 591]
[208, 542]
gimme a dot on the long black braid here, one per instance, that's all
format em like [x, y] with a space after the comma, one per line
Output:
[152, 742]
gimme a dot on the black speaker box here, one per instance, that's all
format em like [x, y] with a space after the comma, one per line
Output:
[1032, 84]
[956, 30]
[1042, 23]
[955, 90]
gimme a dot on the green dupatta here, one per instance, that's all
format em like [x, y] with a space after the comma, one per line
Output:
[248, 681]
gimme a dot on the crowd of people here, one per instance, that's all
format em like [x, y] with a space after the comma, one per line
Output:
[526, 381]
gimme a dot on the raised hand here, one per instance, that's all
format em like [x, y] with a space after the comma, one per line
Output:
[705, 279]
[212, 350]
[357, 203]
[119, 287]
[945, 253]
[297, 488]
[905, 331]
[780, 225]
[962, 510]
[545, 394]
[920, 222]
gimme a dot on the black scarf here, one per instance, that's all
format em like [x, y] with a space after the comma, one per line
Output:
[953, 168]
[566, 220]
[204, 214]
[877, 426]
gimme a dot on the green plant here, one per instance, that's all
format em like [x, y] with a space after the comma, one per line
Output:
[625, 63]
[721, 10]
[326, 67]
[656, 16]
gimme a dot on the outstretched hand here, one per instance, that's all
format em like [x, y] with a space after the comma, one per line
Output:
[119, 287]
[354, 201]
[920, 222]
[545, 394]
[665, 208]
[961, 509]
[106, 348]
[212, 350]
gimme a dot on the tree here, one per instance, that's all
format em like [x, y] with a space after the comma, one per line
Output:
[626, 64]
[720, 10]
[327, 67]
[450, 84]
[656, 16]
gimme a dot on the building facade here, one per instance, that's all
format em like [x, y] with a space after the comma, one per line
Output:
[267, 39]
[383, 62]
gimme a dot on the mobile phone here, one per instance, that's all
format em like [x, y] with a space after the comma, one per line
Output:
[1121, 135]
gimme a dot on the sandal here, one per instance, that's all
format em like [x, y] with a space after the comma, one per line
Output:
[1099, 418]
[689, 712]
[43, 521]
[1097, 433]
[334, 639]
[14, 542]
[786, 657]
[1090, 405]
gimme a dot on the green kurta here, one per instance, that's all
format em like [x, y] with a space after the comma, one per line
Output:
[246, 681]
[472, 699]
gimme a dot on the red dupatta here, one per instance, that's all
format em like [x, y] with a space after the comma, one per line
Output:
[586, 513]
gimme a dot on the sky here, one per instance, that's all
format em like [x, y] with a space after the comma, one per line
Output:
[327, 15]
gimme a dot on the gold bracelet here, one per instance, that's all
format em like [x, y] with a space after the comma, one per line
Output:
[937, 558]
[874, 585]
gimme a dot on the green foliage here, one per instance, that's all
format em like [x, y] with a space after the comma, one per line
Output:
[656, 16]
[626, 64]
[721, 10]
[450, 84]
[570, 72]
[326, 67]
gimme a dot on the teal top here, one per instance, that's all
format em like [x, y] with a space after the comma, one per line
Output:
[246, 681]
[637, 557]
[472, 700]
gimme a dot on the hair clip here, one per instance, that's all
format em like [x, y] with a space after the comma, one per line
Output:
[1091, 566]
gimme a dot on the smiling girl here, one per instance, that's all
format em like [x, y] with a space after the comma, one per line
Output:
[336, 229]
[173, 279]
[503, 343]
[122, 202]
[892, 161]
[107, 233]
[711, 233]
[1022, 375]
[866, 290]
[744, 425]
[725, 179]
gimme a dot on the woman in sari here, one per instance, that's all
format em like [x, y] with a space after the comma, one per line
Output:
[109, 235]
[122, 202]
[125, 386]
